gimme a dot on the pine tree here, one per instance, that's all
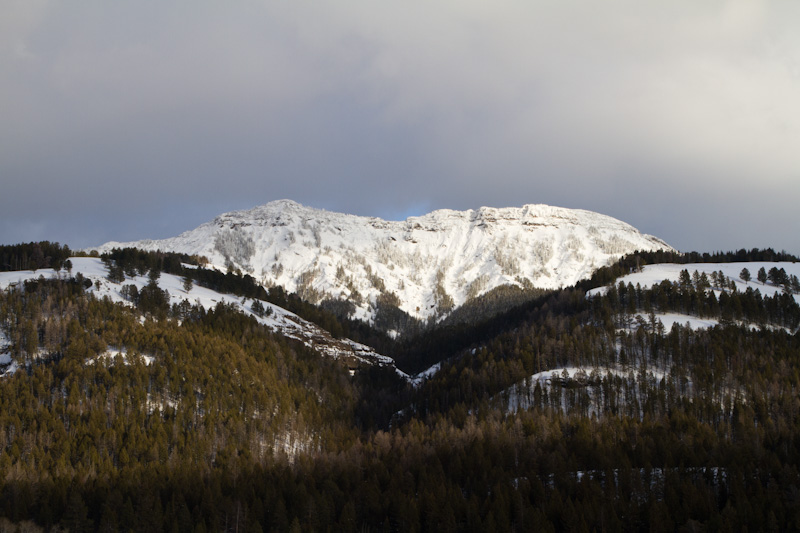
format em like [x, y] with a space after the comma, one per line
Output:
[76, 515]
[777, 276]
[795, 284]
[116, 274]
[744, 275]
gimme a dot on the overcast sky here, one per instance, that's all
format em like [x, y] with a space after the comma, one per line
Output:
[131, 120]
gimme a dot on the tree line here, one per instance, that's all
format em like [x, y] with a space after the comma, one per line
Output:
[33, 256]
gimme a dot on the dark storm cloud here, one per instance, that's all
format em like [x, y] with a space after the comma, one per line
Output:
[141, 120]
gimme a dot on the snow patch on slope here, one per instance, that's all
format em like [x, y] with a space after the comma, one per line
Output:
[422, 377]
[520, 396]
[7, 365]
[278, 319]
[651, 275]
[654, 274]
[670, 319]
[110, 355]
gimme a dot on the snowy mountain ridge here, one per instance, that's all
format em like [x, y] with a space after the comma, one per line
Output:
[425, 265]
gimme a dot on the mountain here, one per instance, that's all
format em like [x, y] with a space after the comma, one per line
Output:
[426, 265]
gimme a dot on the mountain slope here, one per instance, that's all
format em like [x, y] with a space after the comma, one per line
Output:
[276, 318]
[424, 265]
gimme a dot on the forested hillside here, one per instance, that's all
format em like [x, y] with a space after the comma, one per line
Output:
[569, 411]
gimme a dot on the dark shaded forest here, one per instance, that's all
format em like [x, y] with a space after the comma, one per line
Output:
[33, 256]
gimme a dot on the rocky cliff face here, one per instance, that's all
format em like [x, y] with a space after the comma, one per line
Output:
[424, 265]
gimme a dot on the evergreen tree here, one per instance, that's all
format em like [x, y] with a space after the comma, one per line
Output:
[116, 274]
[130, 292]
[744, 275]
[762, 275]
[795, 282]
[777, 276]
[76, 517]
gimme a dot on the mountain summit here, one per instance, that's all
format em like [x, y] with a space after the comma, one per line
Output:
[425, 265]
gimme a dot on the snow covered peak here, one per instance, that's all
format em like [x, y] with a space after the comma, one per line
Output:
[426, 265]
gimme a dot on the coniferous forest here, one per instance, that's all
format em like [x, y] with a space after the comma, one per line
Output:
[151, 417]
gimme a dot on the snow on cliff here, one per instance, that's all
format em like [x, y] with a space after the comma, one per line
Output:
[426, 265]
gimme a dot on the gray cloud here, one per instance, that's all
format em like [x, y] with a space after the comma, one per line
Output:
[137, 120]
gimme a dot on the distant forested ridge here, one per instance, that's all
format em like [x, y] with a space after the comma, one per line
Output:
[33, 256]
